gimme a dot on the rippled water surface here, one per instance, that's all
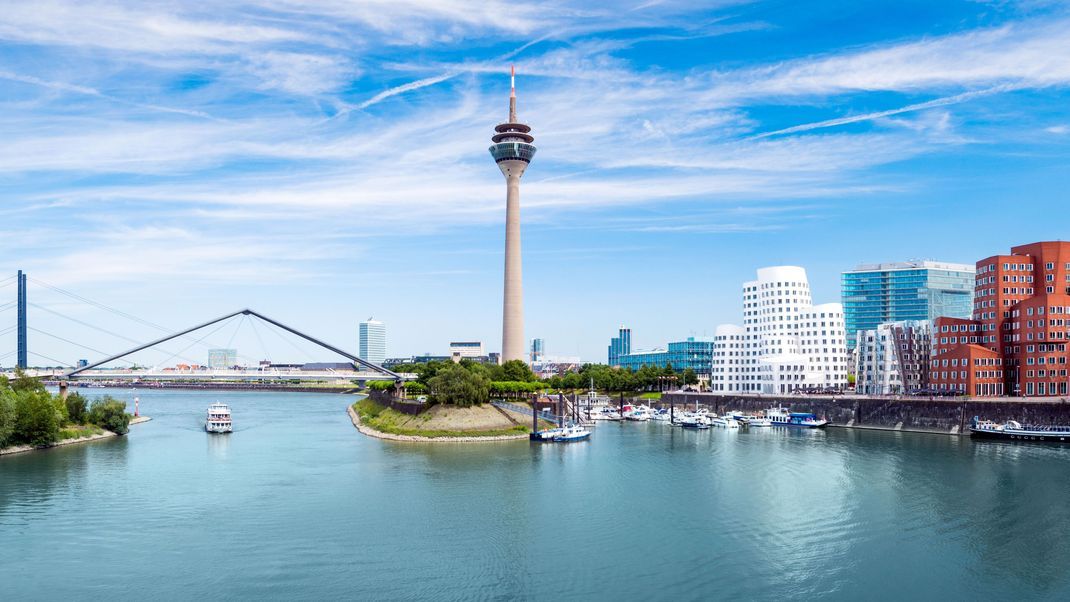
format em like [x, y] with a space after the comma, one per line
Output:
[297, 504]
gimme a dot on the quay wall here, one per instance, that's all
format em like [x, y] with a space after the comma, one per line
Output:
[949, 416]
[404, 406]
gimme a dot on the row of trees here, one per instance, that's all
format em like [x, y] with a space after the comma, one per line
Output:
[467, 383]
[30, 415]
[608, 378]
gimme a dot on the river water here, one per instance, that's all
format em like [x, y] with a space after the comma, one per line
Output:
[296, 504]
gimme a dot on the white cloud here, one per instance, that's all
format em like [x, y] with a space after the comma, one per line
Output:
[301, 73]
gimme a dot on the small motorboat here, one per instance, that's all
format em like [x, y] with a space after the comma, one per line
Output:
[726, 422]
[693, 421]
[570, 433]
[750, 420]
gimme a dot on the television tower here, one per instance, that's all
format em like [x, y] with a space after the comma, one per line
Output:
[512, 151]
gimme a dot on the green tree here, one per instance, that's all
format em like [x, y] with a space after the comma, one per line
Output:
[37, 421]
[110, 413]
[454, 384]
[76, 408]
[24, 382]
[7, 414]
[689, 377]
[517, 371]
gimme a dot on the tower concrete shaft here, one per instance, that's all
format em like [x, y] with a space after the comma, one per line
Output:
[512, 151]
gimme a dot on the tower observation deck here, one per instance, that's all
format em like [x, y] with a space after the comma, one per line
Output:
[512, 150]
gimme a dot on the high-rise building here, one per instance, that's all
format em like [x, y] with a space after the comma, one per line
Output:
[222, 359]
[693, 353]
[1016, 342]
[786, 343]
[512, 151]
[538, 350]
[875, 294]
[620, 345]
[372, 341]
[893, 358]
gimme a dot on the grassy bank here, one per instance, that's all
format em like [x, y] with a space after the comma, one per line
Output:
[427, 424]
[78, 431]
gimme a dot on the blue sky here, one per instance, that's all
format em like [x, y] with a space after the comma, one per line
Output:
[324, 161]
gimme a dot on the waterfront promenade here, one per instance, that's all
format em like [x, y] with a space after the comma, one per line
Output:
[946, 415]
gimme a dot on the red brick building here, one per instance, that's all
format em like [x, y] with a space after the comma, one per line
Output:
[1016, 342]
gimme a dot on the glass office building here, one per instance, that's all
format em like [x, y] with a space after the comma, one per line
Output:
[620, 345]
[875, 294]
[693, 353]
[372, 341]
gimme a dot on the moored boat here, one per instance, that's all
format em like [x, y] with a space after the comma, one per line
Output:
[782, 417]
[572, 432]
[1014, 430]
[218, 419]
[725, 422]
[750, 420]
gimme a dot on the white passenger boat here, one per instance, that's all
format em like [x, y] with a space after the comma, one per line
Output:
[218, 419]
[782, 417]
[1012, 429]
[661, 415]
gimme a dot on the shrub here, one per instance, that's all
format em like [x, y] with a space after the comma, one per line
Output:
[7, 415]
[110, 413]
[37, 422]
[76, 408]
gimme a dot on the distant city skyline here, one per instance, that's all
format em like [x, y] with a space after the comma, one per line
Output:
[178, 163]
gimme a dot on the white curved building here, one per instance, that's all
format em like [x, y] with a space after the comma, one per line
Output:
[786, 342]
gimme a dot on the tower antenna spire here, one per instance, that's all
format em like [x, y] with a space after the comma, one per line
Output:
[512, 93]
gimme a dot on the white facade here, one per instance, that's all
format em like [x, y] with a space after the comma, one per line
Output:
[463, 349]
[786, 343]
[891, 354]
[372, 341]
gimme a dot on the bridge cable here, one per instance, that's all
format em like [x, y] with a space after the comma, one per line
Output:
[113, 310]
[290, 343]
[84, 323]
[173, 355]
[86, 347]
[263, 347]
[59, 363]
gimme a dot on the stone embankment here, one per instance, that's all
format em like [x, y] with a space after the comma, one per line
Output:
[946, 416]
[18, 449]
[367, 430]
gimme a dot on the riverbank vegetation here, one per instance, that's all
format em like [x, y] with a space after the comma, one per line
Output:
[467, 383]
[30, 415]
[438, 422]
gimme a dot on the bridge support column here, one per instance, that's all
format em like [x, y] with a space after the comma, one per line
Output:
[63, 390]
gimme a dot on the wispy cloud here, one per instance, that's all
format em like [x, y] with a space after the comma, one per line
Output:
[921, 106]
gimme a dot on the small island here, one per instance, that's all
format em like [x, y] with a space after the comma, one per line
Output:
[32, 418]
[448, 402]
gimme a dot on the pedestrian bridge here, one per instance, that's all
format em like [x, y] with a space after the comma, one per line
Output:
[250, 375]
[363, 370]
